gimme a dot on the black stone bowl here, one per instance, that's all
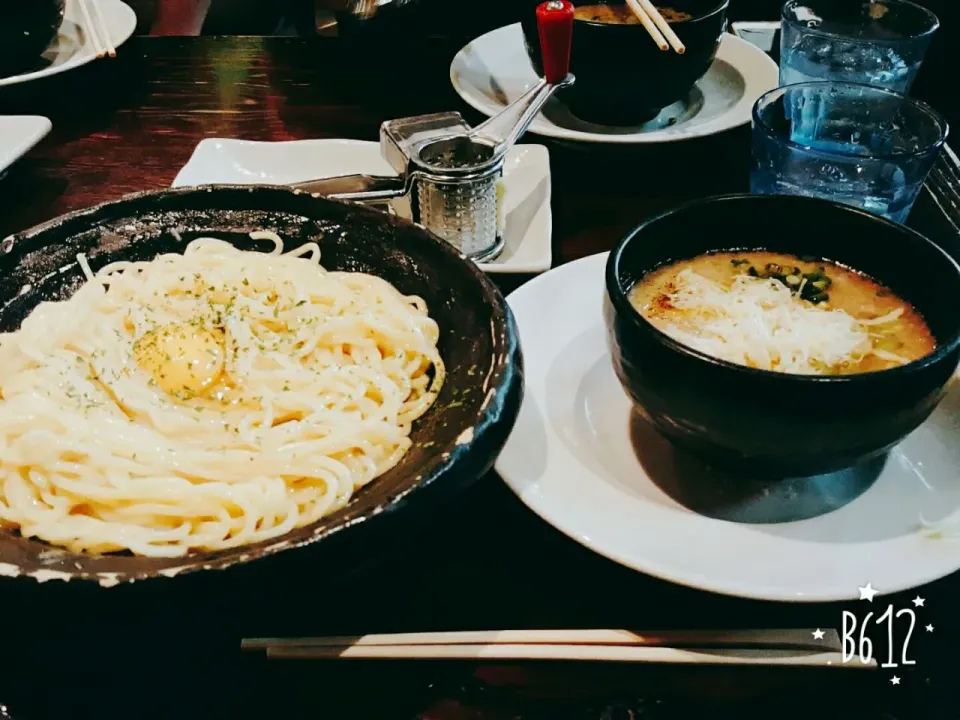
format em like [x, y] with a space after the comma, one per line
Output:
[27, 27]
[773, 423]
[454, 443]
[623, 78]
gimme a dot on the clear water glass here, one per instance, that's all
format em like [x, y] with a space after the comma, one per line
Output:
[850, 143]
[878, 42]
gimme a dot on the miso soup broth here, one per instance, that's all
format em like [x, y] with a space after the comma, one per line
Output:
[783, 313]
[623, 15]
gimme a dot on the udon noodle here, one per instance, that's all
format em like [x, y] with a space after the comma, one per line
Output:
[207, 400]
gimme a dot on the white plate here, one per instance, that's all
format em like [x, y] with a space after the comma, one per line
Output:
[73, 46]
[494, 70]
[571, 459]
[763, 34]
[18, 134]
[526, 179]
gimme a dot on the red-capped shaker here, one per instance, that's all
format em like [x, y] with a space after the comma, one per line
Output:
[555, 22]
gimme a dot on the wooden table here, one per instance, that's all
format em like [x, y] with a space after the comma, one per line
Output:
[169, 648]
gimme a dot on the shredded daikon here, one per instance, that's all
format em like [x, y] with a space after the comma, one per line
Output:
[889, 317]
[760, 323]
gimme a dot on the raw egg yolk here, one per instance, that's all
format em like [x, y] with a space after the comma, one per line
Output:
[183, 359]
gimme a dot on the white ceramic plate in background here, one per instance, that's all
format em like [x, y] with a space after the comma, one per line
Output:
[73, 46]
[581, 460]
[494, 70]
[18, 134]
[762, 34]
[526, 181]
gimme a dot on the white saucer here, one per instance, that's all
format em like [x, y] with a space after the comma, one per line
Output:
[526, 181]
[571, 459]
[494, 70]
[18, 134]
[73, 46]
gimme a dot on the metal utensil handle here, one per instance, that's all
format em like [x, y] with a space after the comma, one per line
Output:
[357, 188]
[555, 23]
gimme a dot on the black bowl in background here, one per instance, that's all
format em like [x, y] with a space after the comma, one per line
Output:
[454, 443]
[27, 27]
[767, 422]
[623, 78]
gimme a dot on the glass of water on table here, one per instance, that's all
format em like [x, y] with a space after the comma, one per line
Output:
[874, 42]
[851, 143]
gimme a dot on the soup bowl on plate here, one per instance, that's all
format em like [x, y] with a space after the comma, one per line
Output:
[623, 78]
[26, 30]
[764, 421]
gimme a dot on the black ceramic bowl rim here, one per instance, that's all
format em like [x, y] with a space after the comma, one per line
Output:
[504, 372]
[634, 28]
[626, 311]
[931, 16]
[933, 148]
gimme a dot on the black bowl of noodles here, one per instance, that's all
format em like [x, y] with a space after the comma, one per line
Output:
[843, 278]
[454, 442]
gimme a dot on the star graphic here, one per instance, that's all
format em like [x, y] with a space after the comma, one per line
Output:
[817, 634]
[929, 628]
[894, 680]
[867, 593]
[917, 601]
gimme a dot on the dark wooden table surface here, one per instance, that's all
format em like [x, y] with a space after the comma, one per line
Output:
[170, 648]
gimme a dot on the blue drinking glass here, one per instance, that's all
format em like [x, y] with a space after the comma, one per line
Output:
[854, 144]
[878, 42]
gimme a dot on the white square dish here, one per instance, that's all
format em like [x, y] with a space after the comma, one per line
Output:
[526, 177]
[18, 134]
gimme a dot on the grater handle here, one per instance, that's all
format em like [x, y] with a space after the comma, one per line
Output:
[555, 24]
[357, 188]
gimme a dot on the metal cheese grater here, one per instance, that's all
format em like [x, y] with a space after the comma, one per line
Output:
[451, 173]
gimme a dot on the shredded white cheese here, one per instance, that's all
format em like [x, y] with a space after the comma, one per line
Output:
[889, 317]
[759, 323]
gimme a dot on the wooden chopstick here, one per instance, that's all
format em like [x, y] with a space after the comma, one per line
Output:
[648, 23]
[104, 29]
[726, 639]
[663, 25]
[733, 647]
[94, 30]
[90, 30]
[593, 653]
